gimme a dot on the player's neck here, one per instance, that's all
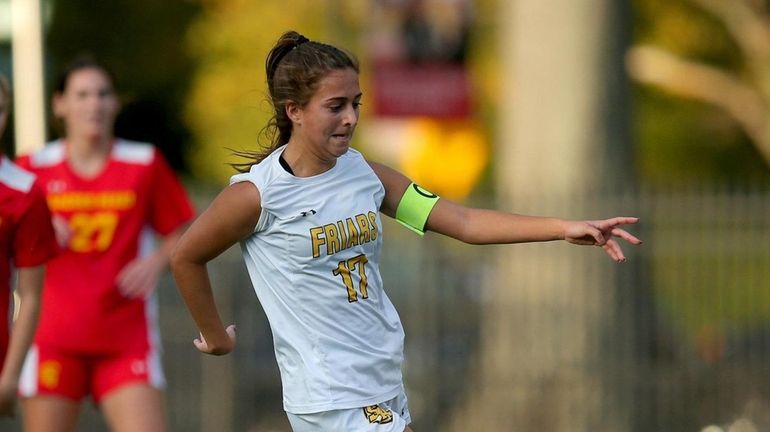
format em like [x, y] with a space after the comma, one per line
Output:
[305, 163]
[88, 157]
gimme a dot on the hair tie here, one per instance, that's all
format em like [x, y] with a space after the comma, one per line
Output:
[300, 41]
[274, 64]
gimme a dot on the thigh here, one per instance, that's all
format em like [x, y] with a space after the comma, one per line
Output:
[114, 371]
[49, 414]
[134, 407]
[128, 389]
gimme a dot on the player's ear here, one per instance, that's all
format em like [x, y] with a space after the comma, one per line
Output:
[294, 112]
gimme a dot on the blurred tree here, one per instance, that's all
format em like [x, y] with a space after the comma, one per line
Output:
[140, 41]
[715, 53]
[228, 105]
[563, 133]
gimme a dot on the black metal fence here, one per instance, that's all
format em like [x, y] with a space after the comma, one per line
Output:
[680, 341]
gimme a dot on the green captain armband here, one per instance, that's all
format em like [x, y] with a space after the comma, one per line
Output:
[415, 207]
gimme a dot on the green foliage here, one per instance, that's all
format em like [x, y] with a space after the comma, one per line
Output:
[227, 106]
[685, 142]
[678, 140]
[686, 30]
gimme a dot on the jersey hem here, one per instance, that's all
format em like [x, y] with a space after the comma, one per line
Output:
[330, 406]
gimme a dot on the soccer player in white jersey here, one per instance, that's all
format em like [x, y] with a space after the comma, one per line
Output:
[307, 215]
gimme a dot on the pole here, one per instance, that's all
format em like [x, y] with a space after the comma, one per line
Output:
[28, 84]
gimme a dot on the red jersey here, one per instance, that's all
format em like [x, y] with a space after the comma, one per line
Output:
[108, 215]
[26, 235]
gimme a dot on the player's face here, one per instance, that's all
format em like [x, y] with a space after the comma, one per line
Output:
[88, 105]
[329, 119]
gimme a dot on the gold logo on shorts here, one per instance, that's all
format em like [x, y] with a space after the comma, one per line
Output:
[50, 372]
[377, 414]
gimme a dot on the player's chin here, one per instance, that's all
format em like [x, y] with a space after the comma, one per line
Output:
[340, 147]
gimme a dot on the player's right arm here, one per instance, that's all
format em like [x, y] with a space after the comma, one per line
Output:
[230, 218]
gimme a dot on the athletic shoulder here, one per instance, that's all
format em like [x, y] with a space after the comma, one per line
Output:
[134, 152]
[15, 177]
[51, 154]
[262, 174]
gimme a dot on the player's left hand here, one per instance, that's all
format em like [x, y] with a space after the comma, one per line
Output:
[140, 277]
[602, 233]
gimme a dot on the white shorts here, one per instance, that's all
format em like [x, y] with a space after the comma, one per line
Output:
[388, 416]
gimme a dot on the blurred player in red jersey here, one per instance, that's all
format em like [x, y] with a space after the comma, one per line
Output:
[26, 242]
[98, 331]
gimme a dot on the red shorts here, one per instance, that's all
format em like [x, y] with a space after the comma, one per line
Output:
[74, 375]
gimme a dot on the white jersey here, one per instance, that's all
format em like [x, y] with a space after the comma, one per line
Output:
[314, 262]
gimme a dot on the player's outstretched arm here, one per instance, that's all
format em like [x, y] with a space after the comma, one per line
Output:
[231, 217]
[482, 226]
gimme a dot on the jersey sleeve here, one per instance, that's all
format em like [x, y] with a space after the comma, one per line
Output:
[34, 240]
[170, 207]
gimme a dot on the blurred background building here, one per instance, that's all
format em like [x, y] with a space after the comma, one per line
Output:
[584, 109]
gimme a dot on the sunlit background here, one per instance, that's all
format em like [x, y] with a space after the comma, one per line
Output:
[581, 109]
